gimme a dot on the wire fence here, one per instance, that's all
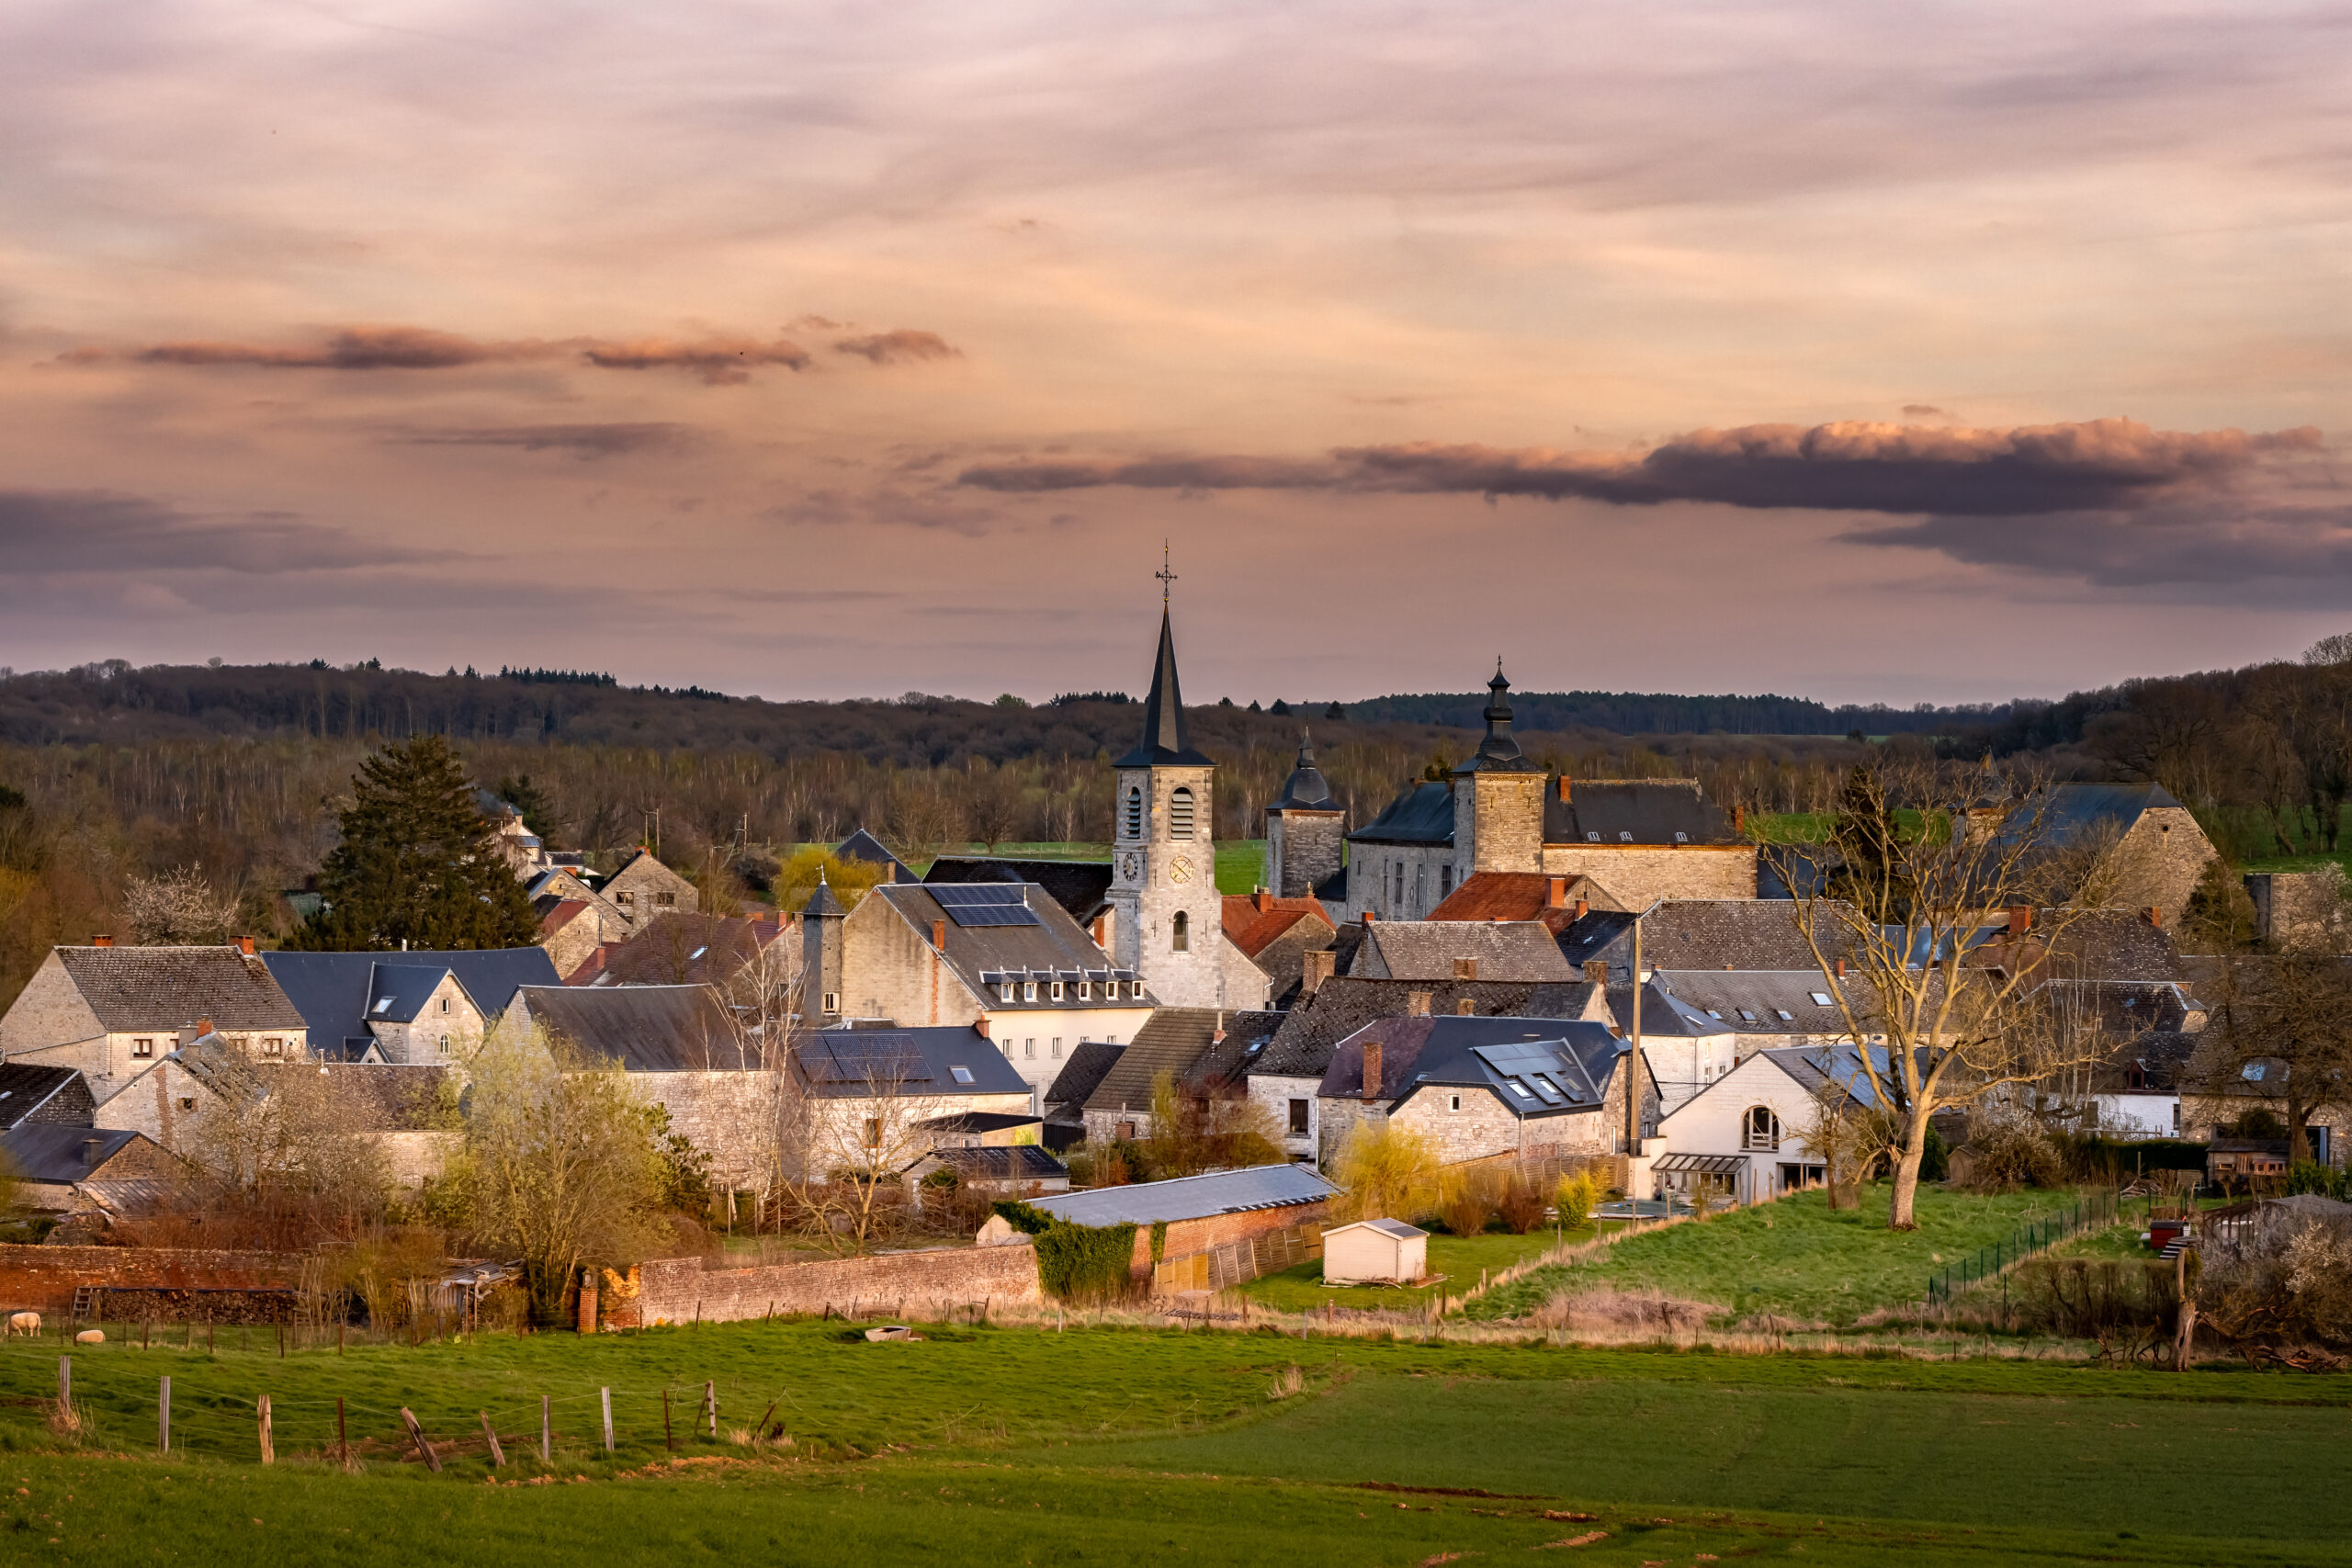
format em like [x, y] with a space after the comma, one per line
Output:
[2093, 1211]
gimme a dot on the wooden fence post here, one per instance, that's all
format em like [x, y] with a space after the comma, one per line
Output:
[547, 1430]
[163, 1417]
[489, 1433]
[669, 1439]
[269, 1449]
[710, 1409]
[608, 1419]
[417, 1436]
[66, 1386]
[342, 1433]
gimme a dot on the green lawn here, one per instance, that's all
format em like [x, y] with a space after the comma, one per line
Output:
[1127, 1445]
[1458, 1259]
[1794, 1256]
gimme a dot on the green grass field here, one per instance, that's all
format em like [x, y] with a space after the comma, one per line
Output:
[1131, 1445]
[1795, 1256]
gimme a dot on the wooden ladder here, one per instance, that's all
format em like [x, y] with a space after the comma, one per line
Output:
[86, 1303]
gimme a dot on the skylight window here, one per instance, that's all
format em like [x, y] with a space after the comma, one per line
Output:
[961, 1075]
[383, 1004]
[1682, 837]
[1745, 1016]
[1786, 1015]
[698, 952]
[1592, 838]
[1521, 1090]
[1624, 838]
[2253, 1072]
[1821, 999]
[1714, 1013]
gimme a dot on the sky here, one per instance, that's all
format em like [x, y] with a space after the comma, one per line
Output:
[1903, 353]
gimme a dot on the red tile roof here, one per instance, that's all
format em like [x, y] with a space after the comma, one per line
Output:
[556, 918]
[1253, 920]
[1522, 895]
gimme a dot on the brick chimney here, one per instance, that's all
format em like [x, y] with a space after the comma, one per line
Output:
[1556, 897]
[1466, 968]
[1100, 922]
[1367, 917]
[203, 1027]
[2020, 919]
[245, 946]
[980, 1027]
[1583, 906]
[102, 942]
[1841, 969]
[2157, 917]
[1317, 967]
[1564, 789]
[939, 935]
[1261, 900]
[1371, 1070]
[1417, 1004]
[1596, 971]
[1464, 1008]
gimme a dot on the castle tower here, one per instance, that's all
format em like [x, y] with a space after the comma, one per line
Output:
[1498, 796]
[1167, 922]
[1305, 831]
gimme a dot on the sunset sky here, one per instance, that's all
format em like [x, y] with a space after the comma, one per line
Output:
[1864, 352]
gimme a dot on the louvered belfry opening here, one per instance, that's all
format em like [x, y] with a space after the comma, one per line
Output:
[1180, 814]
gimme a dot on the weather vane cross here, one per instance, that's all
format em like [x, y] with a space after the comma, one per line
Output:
[1163, 574]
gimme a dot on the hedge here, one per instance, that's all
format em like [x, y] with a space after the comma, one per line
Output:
[2086, 1154]
[1075, 1263]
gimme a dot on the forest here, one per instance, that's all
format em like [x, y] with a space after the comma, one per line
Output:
[112, 777]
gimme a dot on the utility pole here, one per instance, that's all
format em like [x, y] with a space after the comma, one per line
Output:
[1634, 1072]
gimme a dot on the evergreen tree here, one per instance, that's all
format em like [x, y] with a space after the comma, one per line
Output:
[416, 863]
[527, 798]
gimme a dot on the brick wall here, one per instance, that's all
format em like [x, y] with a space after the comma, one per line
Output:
[43, 1278]
[1635, 874]
[928, 1283]
[1188, 1237]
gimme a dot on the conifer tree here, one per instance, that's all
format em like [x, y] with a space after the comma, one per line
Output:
[416, 863]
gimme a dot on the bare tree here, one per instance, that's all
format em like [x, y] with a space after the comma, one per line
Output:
[921, 820]
[2281, 1027]
[1898, 908]
[854, 1109]
[993, 801]
[178, 909]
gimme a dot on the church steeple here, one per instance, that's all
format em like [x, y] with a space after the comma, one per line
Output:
[1164, 740]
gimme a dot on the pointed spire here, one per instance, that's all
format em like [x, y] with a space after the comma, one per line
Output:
[1499, 752]
[1164, 740]
[821, 904]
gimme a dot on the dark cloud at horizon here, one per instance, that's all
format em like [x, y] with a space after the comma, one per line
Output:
[107, 533]
[581, 440]
[897, 346]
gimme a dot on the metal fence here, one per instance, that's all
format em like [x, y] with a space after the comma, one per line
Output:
[2091, 1213]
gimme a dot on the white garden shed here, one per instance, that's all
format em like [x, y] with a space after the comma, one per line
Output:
[1375, 1252]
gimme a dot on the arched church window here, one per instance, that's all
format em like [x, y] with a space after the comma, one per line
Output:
[1180, 814]
[1135, 814]
[1181, 940]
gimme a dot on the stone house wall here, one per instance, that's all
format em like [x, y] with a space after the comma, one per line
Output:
[2289, 905]
[2159, 861]
[1497, 823]
[49, 1023]
[928, 1284]
[1303, 848]
[637, 890]
[448, 1011]
[1430, 871]
[1636, 875]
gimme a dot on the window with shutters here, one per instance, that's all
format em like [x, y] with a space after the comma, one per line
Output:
[1135, 814]
[1180, 814]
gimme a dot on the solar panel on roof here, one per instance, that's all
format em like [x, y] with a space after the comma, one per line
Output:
[985, 904]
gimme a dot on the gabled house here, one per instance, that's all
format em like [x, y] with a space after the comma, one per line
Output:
[1479, 1088]
[754, 960]
[50, 1161]
[1522, 951]
[1685, 1048]
[2158, 848]
[1204, 1052]
[1557, 901]
[869, 1102]
[1276, 934]
[1082, 1071]
[112, 1012]
[1752, 1132]
[575, 919]
[1004, 957]
[405, 1008]
[1762, 1009]
[643, 887]
[1700, 933]
[864, 846]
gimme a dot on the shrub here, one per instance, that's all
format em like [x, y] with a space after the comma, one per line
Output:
[1085, 1263]
[2310, 1175]
[1467, 1207]
[1389, 1172]
[2009, 1151]
[1576, 1199]
[1521, 1205]
[1023, 1216]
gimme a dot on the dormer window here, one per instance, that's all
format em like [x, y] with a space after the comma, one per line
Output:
[1682, 837]
[1135, 990]
[1180, 814]
[1058, 990]
[1004, 992]
[1028, 990]
[1086, 990]
[1624, 838]
[1592, 838]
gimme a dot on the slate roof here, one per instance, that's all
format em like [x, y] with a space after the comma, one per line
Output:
[985, 956]
[45, 1152]
[1633, 811]
[1191, 1197]
[924, 1063]
[331, 991]
[1426, 950]
[1164, 739]
[398, 992]
[1180, 1042]
[1664, 1015]
[675, 949]
[1523, 896]
[1083, 1069]
[1700, 933]
[1751, 1001]
[1421, 813]
[1080, 887]
[1305, 789]
[2077, 808]
[980, 1121]
[1003, 1162]
[1536, 1068]
[646, 1028]
[1302, 1046]
[25, 1089]
[557, 913]
[864, 846]
[164, 988]
[2097, 944]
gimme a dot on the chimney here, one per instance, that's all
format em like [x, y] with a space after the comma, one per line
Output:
[1466, 968]
[1371, 1070]
[1739, 819]
[102, 942]
[1564, 789]
[1464, 1008]
[939, 935]
[1583, 906]
[1417, 1004]
[2020, 919]
[1557, 895]
[1367, 917]
[2157, 917]
[1841, 969]
[1099, 924]
[980, 1027]
[1596, 971]
[203, 1027]
[1317, 967]
[90, 1147]
[1258, 900]
[245, 946]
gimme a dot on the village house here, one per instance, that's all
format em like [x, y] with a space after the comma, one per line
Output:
[50, 1161]
[643, 887]
[1066, 1096]
[407, 1009]
[575, 919]
[30, 1093]
[1478, 1087]
[1277, 934]
[1753, 1133]
[111, 1012]
[756, 959]
[1202, 1052]
[1523, 951]
[1703, 933]
[2158, 850]
[1003, 1170]
[1557, 901]
[999, 956]
[869, 1101]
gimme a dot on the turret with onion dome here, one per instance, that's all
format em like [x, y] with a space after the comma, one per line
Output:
[1305, 832]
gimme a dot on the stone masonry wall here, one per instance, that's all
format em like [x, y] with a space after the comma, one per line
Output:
[49, 1013]
[925, 1283]
[2160, 860]
[1303, 849]
[43, 1278]
[2292, 904]
[1635, 874]
[1508, 834]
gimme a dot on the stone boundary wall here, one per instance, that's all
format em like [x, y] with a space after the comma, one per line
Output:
[929, 1284]
[43, 1278]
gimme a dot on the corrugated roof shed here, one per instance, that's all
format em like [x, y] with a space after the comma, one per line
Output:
[1191, 1197]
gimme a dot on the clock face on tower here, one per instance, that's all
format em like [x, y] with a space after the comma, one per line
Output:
[1179, 871]
[1131, 868]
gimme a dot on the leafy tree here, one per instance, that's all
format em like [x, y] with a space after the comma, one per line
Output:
[415, 865]
[795, 880]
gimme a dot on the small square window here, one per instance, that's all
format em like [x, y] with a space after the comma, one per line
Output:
[625, 901]
[143, 1048]
[961, 1075]
[832, 1002]
[188, 1104]
[272, 1045]
[666, 900]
